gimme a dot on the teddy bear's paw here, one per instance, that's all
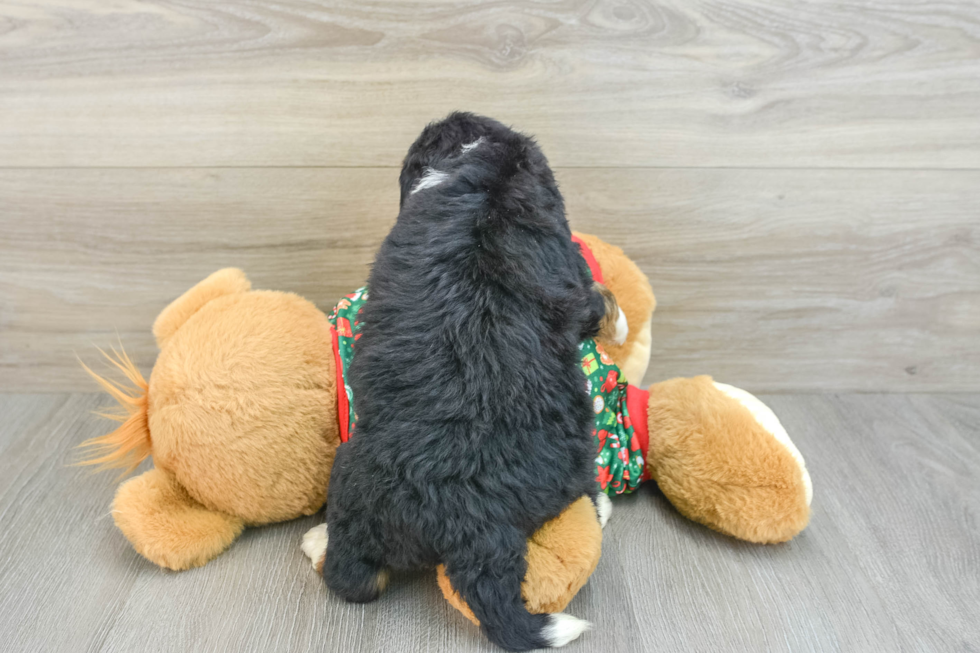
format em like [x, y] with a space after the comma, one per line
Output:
[603, 506]
[315, 545]
[563, 628]
[768, 420]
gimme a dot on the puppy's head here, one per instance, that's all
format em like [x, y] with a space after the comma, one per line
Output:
[486, 157]
[441, 143]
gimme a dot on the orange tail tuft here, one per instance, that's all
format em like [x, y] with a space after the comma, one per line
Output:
[129, 444]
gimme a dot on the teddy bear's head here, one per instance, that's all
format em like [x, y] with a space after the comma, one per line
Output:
[242, 406]
[240, 413]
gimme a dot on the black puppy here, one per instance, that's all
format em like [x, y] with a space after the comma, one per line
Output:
[474, 427]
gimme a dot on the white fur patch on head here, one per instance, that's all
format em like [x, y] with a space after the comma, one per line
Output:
[431, 178]
[315, 544]
[622, 327]
[469, 146]
[603, 505]
[768, 420]
[563, 628]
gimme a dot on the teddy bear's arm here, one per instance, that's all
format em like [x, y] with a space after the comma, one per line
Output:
[168, 527]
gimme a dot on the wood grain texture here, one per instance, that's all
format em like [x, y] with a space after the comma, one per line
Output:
[890, 561]
[774, 280]
[779, 280]
[601, 83]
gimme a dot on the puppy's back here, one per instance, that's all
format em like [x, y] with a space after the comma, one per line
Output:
[478, 296]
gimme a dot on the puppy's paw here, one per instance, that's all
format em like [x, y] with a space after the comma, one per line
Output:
[613, 326]
[622, 327]
[603, 506]
[563, 628]
[315, 546]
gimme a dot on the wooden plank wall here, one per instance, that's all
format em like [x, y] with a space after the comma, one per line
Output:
[800, 182]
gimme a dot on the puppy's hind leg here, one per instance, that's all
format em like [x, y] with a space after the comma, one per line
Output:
[488, 575]
[315, 546]
[603, 507]
[352, 570]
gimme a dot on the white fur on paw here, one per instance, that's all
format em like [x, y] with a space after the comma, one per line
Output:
[603, 504]
[315, 544]
[563, 628]
[622, 327]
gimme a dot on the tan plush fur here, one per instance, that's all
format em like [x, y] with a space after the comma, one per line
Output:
[243, 406]
[166, 526]
[561, 556]
[635, 297]
[223, 282]
[240, 415]
[719, 467]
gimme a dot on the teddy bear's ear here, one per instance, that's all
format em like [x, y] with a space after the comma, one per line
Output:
[223, 282]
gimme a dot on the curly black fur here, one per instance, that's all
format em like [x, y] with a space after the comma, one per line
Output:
[474, 427]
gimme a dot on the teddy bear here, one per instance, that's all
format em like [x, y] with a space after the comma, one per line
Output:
[717, 453]
[239, 415]
[246, 406]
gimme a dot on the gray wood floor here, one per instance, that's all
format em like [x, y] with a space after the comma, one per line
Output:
[890, 562]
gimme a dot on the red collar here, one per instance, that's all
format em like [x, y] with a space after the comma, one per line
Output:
[637, 403]
[343, 410]
[589, 258]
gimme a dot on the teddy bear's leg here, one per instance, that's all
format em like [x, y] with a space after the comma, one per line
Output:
[166, 526]
[722, 458]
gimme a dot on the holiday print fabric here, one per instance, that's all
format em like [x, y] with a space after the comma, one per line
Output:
[619, 461]
[345, 320]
